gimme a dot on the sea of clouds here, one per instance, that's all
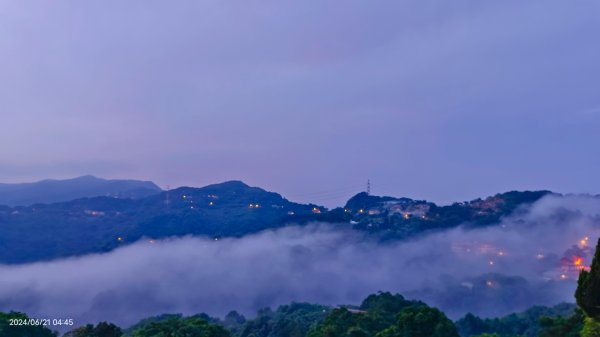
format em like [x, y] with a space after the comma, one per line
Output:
[523, 261]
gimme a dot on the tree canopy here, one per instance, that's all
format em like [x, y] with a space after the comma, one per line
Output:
[588, 288]
[421, 321]
[8, 330]
[386, 315]
[103, 329]
[193, 326]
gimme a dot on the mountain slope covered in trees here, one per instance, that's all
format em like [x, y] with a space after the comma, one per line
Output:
[99, 224]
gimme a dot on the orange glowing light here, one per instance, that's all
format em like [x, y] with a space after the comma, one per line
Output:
[577, 261]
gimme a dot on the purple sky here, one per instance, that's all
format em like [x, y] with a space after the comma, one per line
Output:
[444, 101]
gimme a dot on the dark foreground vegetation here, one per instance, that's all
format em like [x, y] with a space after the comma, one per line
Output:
[381, 315]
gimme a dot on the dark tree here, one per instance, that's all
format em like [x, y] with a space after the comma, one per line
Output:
[471, 325]
[103, 329]
[293, 320]
[588, 288]
[421, 322]
[562, 326]
[233, 318]
[181, 327]
[378, 316]
[82, 331]
[7, 330]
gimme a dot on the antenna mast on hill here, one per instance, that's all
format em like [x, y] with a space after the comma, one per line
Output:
[368, 186]
[167, 197]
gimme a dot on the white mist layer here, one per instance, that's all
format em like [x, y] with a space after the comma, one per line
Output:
[491, 271]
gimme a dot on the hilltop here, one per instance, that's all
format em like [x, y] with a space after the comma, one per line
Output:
[51, 191]
[230, 209]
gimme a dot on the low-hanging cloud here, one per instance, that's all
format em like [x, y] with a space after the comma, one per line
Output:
[523, 261]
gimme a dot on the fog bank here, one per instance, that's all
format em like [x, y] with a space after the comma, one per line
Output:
[525, 260]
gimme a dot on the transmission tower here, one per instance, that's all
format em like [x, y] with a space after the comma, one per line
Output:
[167, 195]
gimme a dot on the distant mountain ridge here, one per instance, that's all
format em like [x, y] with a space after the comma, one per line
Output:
[229, 209]
[52, 191]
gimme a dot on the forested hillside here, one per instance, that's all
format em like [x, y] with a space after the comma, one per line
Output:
[99, 224]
